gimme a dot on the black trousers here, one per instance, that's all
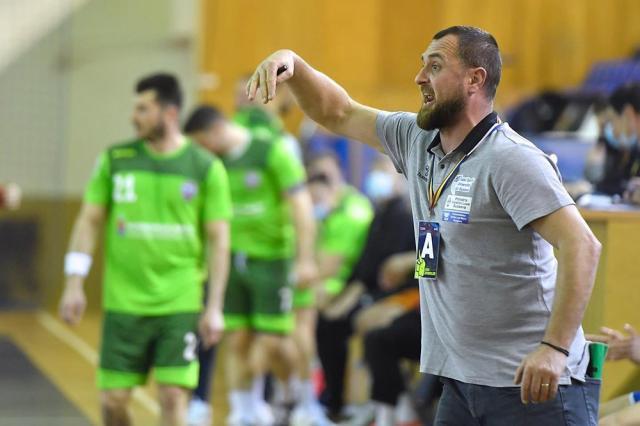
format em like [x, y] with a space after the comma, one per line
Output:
[207, 359]
[332, 337]
[384, 348]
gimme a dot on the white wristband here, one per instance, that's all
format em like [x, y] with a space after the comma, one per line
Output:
[76, 263]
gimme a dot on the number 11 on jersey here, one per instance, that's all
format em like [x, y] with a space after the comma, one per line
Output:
[428, 248]
[124, 188]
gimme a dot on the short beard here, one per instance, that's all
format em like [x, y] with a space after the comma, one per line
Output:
[156, 133]
[443, 115]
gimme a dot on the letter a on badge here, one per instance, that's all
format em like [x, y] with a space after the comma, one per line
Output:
[427, 248]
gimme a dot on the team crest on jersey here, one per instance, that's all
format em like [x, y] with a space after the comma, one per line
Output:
[189, 190]
[121, 226]
[252, 180]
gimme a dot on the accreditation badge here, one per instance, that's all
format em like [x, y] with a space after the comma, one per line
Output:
[428, 248]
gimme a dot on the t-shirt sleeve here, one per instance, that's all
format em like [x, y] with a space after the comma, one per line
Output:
[285, 166]
[397, 132]
[217, 196]
[98, 190]
[528, 184]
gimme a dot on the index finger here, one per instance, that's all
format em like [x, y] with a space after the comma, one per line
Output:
[612, 333]
[629, 329]
[272, 75]
[597, 338]
[524, 387]
[553, 388]
[252, 86]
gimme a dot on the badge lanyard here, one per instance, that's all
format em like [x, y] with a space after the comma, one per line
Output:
[434, 195]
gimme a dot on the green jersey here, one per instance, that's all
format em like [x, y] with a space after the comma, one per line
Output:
[259, 122]
[343, 233]
[259, 179]
[157, 207]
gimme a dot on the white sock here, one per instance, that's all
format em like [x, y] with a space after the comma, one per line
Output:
[257, 388]
[286, 393]
[404, 409]
[295, 387]
[306, 392]
[240, 401]
[385, 414]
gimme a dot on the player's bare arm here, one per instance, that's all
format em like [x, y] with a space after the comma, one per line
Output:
[84, 236]
[212, 323]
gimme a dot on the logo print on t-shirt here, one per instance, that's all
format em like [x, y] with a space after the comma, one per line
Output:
[252, 179]
[462, 184]
[189, 190]
[424, 174]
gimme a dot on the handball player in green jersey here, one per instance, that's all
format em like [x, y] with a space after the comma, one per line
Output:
[272, 237]
[163, 203]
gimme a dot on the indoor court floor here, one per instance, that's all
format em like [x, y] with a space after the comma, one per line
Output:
[48, 374]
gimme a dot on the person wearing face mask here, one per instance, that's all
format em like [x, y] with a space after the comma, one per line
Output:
[343, 216]
[620, 136]
[379, 185]
[383, 270]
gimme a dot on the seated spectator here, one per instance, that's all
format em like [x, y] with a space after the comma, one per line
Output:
[390, 234]
[384, 349]
[632, 194]
[343, 216]
[620, 135]
[391, 332]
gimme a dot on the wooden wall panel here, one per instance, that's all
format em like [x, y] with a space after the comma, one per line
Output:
[372, 47]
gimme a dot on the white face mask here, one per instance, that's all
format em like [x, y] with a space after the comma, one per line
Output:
[378, 185]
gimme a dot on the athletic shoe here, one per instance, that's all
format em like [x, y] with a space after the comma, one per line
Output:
[199, 413]
[309, 415]
[363, 415]
[262, 413]
[238, 418]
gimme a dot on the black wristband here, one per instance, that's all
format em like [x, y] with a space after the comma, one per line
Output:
[557, 348]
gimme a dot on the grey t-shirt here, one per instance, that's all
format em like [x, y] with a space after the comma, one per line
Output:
[491, 302]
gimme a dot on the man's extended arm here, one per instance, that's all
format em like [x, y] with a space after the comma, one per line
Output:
[321, 98]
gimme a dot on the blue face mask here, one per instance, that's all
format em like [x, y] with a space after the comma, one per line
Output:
[378, 185]
[622, 142]
[320, 211]
[609, 136]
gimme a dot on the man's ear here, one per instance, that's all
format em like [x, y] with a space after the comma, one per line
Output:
[172, 112]
[476, 79]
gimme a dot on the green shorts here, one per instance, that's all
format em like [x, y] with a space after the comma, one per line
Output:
[132, 345]
[259, 296]
[303, 298]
